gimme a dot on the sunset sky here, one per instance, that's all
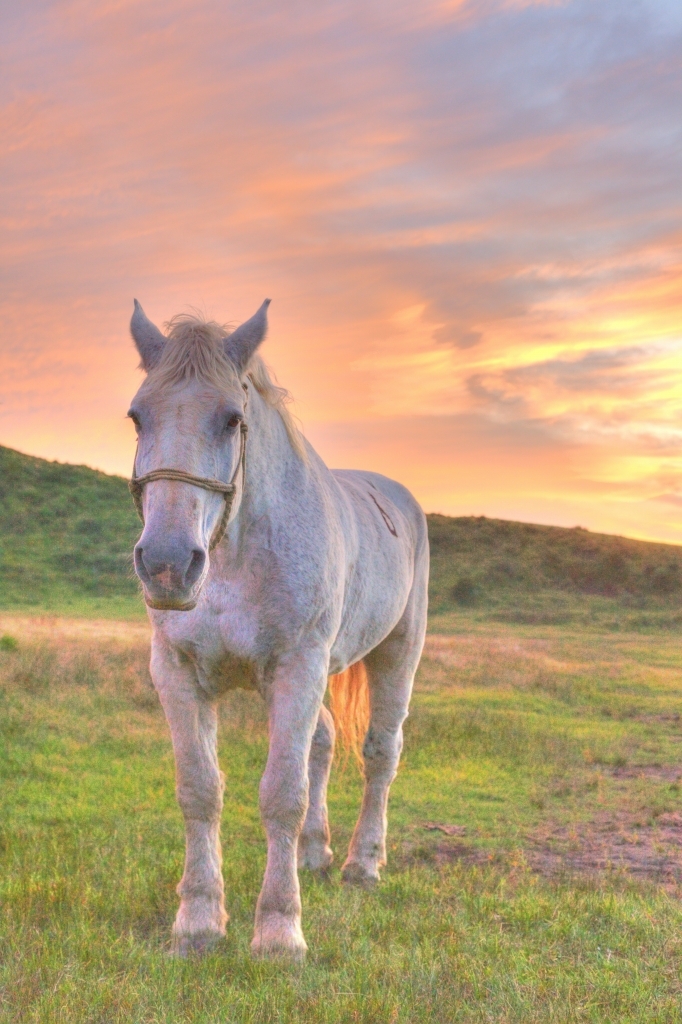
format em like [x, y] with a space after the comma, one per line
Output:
[468, 216]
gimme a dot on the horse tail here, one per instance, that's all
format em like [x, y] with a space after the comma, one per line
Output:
[349, 705]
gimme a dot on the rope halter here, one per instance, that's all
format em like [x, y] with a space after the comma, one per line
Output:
[228, 491]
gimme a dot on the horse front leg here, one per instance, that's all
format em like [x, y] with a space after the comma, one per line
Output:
[294, 701]
[192, 719]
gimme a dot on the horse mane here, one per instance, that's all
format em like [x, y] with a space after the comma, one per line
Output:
[195, 348]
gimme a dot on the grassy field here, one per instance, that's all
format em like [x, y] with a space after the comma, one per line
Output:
[535, 840]
[536, 824]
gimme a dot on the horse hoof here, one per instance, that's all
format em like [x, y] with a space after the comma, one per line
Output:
[317, 859]
[278, 938]
[355, 873]
[198, 944]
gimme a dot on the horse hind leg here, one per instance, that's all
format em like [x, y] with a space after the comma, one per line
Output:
[390, 670]
[314, 851]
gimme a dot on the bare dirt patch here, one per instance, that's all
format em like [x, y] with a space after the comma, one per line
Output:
[641, 839]
[448, 830]
[445, 852]
[448, 848]
[612, 843]
[655, 772]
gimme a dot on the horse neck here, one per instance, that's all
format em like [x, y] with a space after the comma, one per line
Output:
[270, 464]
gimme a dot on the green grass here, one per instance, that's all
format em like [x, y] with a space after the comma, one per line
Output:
[534, 742]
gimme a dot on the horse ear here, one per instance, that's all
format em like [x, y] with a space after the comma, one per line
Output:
[243, 342]
[148, 339]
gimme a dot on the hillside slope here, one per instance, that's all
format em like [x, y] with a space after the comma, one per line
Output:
[525, 573]
[67, 533]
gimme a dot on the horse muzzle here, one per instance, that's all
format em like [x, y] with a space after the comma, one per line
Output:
[171, 574]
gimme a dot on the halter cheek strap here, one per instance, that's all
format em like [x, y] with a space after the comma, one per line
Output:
[228, 491]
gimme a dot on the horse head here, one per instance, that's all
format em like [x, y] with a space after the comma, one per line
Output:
[190, 418]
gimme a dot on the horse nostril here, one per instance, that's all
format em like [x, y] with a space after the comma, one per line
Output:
[140, 567]
[196, 567]
[171, 568]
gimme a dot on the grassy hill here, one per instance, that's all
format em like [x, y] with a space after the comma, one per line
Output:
[519, 572]
[66, 537]
[67, 532]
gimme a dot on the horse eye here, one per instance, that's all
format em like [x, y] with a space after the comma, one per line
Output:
[135, 418]
[233, 422]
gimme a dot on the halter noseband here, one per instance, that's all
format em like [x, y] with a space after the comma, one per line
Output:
[228, 491]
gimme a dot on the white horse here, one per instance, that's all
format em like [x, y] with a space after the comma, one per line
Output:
[263, 569]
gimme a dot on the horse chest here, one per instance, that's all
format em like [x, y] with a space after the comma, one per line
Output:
[219, 669]
[221, 647]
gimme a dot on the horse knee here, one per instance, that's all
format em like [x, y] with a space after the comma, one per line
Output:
[283, 801]
[201, 796]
